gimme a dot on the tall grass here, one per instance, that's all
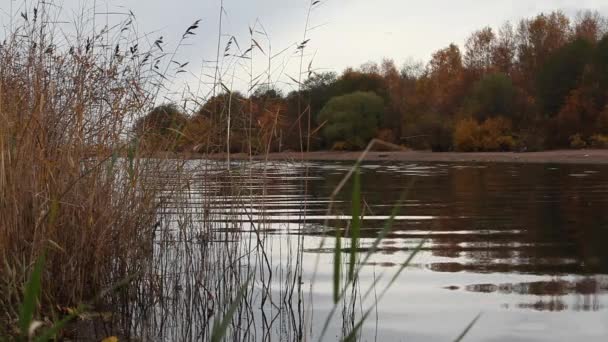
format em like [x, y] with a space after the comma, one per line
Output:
[177, 243]
[71, 182]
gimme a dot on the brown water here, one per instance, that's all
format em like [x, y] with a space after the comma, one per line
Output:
[522, 244]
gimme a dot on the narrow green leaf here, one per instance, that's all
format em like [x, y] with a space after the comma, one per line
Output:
[467, 329]
[30, 300]
[221, 327]
[385, 230]
[355, 229]
[337, 263]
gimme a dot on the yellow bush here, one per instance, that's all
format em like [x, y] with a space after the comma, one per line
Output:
[340, 146]
[494, 134]
[576, 141]
[599, 141]
[467, 135]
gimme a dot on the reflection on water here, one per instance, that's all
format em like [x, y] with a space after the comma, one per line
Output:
[509, 240]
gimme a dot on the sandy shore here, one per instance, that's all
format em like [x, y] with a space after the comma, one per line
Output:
[557, 157]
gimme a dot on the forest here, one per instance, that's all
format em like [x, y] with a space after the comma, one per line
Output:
[538, 84]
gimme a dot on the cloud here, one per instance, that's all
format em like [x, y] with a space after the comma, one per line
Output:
[346, 33]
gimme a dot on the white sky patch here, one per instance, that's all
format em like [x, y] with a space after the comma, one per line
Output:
[346, 32]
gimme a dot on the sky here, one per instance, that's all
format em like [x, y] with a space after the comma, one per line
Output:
[342, 33]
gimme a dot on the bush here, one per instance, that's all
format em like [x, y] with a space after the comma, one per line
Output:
[577, 142]
[493, 135]
[496, 135]
[599, 141]
[430, 131]
[467, 134]
[341, 146]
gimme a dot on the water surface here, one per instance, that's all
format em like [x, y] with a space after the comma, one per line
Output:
[522, 244]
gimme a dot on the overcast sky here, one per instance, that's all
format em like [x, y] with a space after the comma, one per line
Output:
[347, 33]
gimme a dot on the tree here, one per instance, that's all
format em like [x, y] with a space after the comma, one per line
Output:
[317, 90]
[351, 120]
[446, 80]
[503, 54]
[589, 25]
[561, 74]
[230, 116]
[600, 71]
[537, 39]
[396, 100]
[161, 127]
[352, 81]
[492, 96]
[479, 49]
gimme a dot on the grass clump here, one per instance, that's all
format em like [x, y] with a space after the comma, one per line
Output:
[71, 182]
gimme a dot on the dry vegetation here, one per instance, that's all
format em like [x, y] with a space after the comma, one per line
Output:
[128, 236]
[66, 102]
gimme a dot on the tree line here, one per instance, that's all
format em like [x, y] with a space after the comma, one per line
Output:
[541, 83]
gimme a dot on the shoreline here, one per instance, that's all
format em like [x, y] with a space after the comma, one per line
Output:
[544, 157]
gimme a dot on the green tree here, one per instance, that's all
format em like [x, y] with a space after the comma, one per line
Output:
[600, 71]
[351, 120]
[161, 127]
[561, 74]
[492, 96]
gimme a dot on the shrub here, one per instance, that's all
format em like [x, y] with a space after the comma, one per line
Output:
[340, 146]
[493, 135]
[577, 142]
[599, 141]
[496, 135]
[467, 135]
[432, 131]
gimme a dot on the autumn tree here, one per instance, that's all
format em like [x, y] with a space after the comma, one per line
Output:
[229, 114]
[590, 25]
[505, 50]
[479, 50]
[537, 39]
[446, 79]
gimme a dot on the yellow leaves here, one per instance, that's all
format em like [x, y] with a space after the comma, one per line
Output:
[494, 134]
[110, 339]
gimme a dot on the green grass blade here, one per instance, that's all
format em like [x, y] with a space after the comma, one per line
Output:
[30, 300]
[355, 229]
[221, 327]
[467, 329]
[353, 334]
[337, 265]
[385, 230]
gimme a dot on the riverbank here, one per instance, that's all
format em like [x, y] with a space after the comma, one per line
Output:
[557, 157]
